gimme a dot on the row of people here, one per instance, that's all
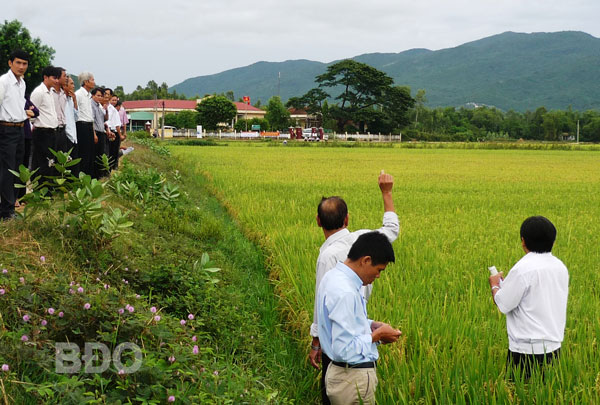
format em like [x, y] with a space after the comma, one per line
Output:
[89, 122]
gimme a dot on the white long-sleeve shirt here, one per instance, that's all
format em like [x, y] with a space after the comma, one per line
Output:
[84, 105]
[12, 98]
[534, 298]
[335, 249]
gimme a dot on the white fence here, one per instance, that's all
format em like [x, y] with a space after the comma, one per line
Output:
[191, 133]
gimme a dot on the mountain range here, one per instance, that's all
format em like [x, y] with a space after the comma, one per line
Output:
[511, 70]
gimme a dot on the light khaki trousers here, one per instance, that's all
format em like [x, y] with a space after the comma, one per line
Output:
[350, 385]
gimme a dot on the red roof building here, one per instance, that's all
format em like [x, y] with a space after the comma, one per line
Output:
[143, 108]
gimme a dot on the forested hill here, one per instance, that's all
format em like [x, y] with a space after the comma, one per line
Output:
[510, 71]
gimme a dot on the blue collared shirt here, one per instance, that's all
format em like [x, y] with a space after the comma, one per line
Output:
[344, 329]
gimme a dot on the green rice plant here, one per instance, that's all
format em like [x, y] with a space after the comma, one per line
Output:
[460, 211]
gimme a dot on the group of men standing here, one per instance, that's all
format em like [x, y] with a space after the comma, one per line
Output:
[87, 123]
[345, 341]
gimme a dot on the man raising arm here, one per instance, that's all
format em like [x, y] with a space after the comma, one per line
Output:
[332, 217]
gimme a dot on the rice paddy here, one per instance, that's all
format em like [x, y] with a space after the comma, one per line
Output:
[460, 212]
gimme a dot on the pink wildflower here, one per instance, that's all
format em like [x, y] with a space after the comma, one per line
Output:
[4, 271]
[172, 359]
[153, 310]
[61, 314]
[190, 317]
[26, 318]
[130, 309]
[194, 338]
[86, 305]
[24, 338]
[157, 318]
[2, 291]
[182, 322]
[5, 367]
[44, 322]
[43, 259]
[80, 290]
[195, 349]
[21, 280]
[121, 311]
[51, 311]
[171, 398]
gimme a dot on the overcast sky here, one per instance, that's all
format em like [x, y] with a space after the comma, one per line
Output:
[130, 42]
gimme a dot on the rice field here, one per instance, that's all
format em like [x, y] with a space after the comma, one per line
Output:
[460, 212]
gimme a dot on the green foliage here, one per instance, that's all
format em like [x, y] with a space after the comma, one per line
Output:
[510, 71]
[161, 269]
[367, 97]
[13, 35]
[150, 91]
[215, 111]
[277, 115]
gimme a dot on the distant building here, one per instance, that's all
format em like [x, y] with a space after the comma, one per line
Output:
[247, 112]
[142, 111]
[302, 118]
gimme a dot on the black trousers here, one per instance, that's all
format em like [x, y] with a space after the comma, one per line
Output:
[43, 140]
[64, 144]
[325, 361]
[113, 151]
[20, 192]
[11, 155]
[101, 149]
[527, 362]
[86, 147]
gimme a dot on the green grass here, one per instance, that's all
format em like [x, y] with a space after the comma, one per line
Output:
[244, 354]
[460, 212]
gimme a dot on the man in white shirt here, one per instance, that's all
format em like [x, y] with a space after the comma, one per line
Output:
[46, 124]
[71, 126]
[114, 124]
[332, 217]
[60, 104]
[85, 123]
[534, 298]
[12, 119]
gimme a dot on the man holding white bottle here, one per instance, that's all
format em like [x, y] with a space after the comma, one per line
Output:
[534, 298]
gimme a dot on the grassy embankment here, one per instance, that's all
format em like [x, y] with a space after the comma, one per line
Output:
[68, 282]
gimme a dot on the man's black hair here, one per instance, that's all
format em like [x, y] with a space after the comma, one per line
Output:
[96, 90]
[332, 212]
[374, 244]
[50, 71]
[18, 53]
[58, 72]
[119, 102]
[109, 90]
[539, 234]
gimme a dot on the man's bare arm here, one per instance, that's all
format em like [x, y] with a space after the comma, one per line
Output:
[386, 184]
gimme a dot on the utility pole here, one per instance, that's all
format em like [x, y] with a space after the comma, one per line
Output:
[162, 135]
[577, 131]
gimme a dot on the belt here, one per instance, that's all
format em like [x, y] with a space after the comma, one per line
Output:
[12, 124]
[61, 127]
[368, 364]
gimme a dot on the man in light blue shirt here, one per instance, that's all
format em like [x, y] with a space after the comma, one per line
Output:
[348, 337]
